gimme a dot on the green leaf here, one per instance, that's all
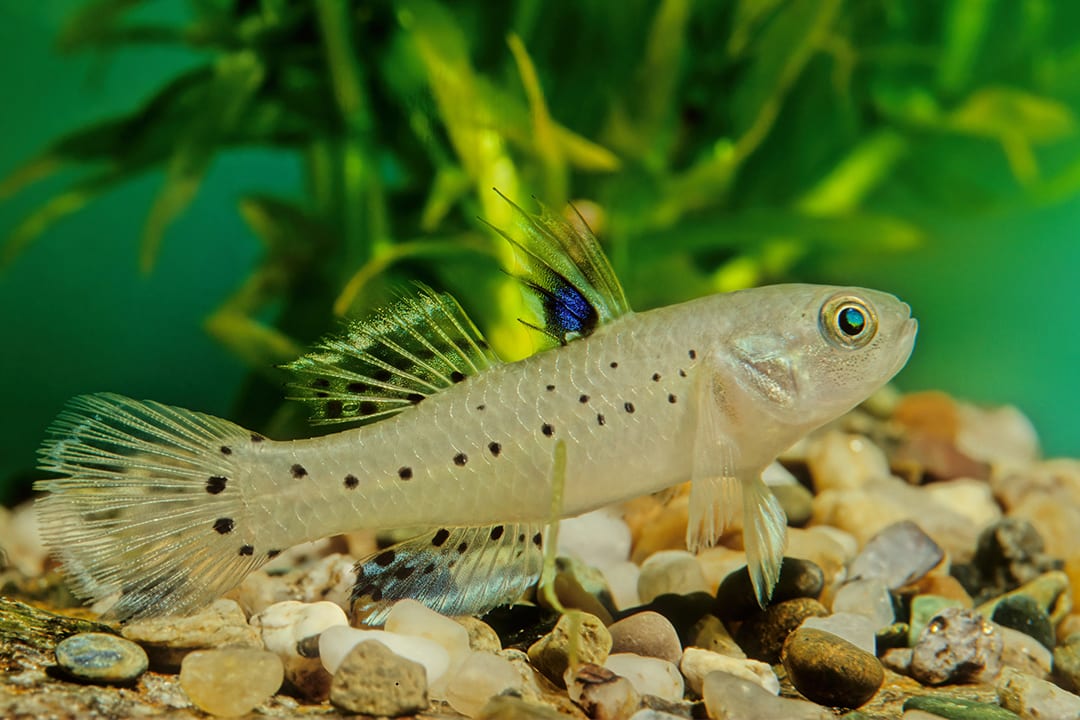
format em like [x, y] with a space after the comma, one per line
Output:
[222, 103]
[1001, 112]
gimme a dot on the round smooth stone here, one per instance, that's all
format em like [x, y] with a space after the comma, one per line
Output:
[762, 636]
[735, 599]
[231, 681]
[646, 633]
[481, 676]
[829, 670]
[648, 675]
[1022, 613]
[101, 658]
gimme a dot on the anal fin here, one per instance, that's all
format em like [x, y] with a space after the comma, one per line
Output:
[454, 571]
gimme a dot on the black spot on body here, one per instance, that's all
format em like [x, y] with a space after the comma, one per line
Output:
[405, 473]
[414, 397]
[224, 525]
[460, 459]
[226, 450]
[428, 569]
[614, 364]
[376, 594]
[682, 373]
[320, 383]
[334, 409]
[403, 572]
[629, 407]
[583, 399]
[382, 374]
[298, 471]
[536, 539]
[271, 554]
[357, 387]
[656, 377]
[521, 537]
[368, 407]
[457, 376]
[548, 429]
[600, 420]
[497, 532]
[440, 537]
[672, 399]
[247, 550]
[692, 354]
[321, 395]
[256, 438]
[351, 481]
[462, 547]
[385, 558]
[216, 484]
[550, 388]
[481, 407]
[495, 448]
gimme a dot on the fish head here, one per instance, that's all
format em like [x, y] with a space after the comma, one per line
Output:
[822, 351]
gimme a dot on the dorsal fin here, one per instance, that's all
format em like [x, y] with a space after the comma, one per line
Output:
[567, 272]
[381, 365]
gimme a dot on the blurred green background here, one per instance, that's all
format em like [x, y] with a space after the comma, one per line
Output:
[192, 191]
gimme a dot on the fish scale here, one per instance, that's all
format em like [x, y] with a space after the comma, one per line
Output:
[161, 509]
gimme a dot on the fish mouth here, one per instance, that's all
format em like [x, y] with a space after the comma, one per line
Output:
[907, 339]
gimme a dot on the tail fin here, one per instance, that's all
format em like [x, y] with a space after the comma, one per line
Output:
[151, 508]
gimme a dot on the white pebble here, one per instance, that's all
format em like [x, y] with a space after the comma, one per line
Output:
[728, 697]
[697, 663]
[858, 630]
[670, 571]
[648, 675]
[336, 642]
[868, 597]
[481, 677]
[408, 617]
[841, 461]
[622, 582]
[600, 538]
[285, 624]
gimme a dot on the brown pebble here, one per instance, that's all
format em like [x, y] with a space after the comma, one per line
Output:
[829, 670]
[762, 636]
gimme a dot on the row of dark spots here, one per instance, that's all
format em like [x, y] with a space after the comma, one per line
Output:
[224, 526]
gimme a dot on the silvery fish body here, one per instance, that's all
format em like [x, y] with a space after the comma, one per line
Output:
[165, 509]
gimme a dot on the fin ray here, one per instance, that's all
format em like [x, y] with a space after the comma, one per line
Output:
[454, 571]
[380, 366]
[131, 516]
[764, 536]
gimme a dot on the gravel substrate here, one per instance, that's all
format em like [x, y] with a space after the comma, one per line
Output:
[931, 571]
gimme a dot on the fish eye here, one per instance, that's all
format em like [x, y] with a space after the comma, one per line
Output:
[847, 321]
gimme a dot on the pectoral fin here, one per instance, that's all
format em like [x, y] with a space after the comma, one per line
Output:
[454, 571]
[764, 537]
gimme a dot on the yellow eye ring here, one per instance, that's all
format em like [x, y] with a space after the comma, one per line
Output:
[848, 322]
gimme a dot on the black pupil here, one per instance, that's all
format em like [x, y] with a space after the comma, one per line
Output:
[851, 321]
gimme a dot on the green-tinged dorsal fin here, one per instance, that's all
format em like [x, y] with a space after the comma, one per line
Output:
[381, 365]
[454, 571]
[567, 272]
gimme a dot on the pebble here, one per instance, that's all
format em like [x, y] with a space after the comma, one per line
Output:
[696, 664]
[732, 698]
[481, 676]
[1009, 553]
[954, 708]
[796, 501]
[762, 636]
[580, 587]
[858, 630]
[828, 548]
[710, 633]
[412, 619]
[898, 659]
[682, 611]
[230, 681]
[1022, 613]
[829, 670]
[482, 637]
[599, 539]
[101, 658]
[335, 643]
[1035, 699]
[622, 581]
[648, 675]
[1050, 591]
[167, 640]
[842, 461]
[601, 693]
[287, 630]
[945, 586]
[898, 555]
[735, 598]
[373, 680]
[1024, 653]
[868, 597]
[718, 562]
[646, 633]
[958, 646]
[577, 632]
[670, 571]
[892, 636]
[651, 714]
[925, 608]
[1067, 663]
[972, 499]
[508, 707]
[1000, 436]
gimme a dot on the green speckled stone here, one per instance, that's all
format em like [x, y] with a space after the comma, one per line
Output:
[958, 709]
